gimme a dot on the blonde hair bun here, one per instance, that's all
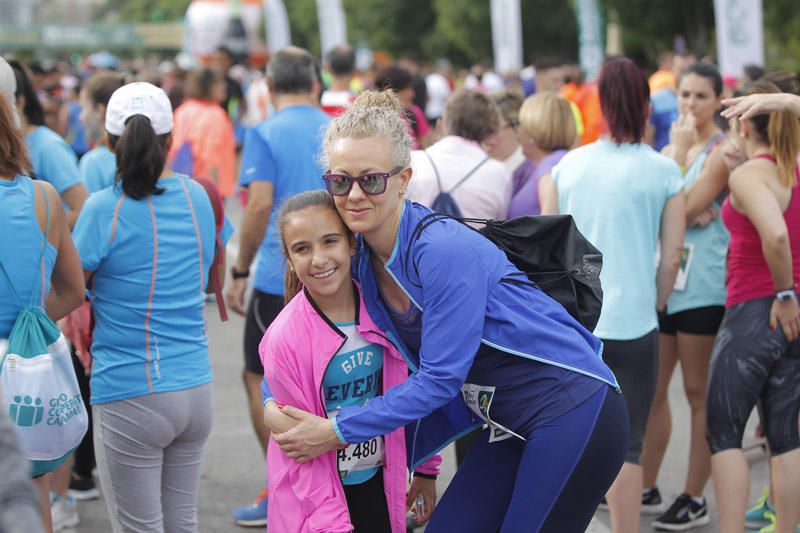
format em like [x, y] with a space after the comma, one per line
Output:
[379, 99]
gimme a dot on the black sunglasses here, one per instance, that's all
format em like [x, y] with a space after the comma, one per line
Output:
[373, 183]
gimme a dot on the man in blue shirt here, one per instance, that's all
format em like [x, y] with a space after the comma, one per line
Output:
[279, 160]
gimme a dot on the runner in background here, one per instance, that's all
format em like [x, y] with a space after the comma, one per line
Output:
[27, 206]
[279, 160]
[204, 132]
[694, 311]
[587, 99]
[341, 62]
[99, 166]
[439, 88]
[625, 197]
[147, 245]
[756, 358]
[546, 132]
[399, 80]
[504, 145]
[52, 158]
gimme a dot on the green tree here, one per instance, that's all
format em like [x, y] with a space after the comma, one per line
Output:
[146, 10]
[650, 26]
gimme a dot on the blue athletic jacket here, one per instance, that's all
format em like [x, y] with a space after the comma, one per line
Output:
[452, 274]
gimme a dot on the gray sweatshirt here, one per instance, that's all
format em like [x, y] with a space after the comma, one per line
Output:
[19, 502]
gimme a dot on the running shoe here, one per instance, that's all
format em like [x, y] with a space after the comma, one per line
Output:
[83, 488]
[64, 512]
[652, 502]
[758, 515]
[771, 527]
[254, 515]
[685, 513]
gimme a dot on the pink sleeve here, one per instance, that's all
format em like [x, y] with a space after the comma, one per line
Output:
[308, 495]
[431, 466]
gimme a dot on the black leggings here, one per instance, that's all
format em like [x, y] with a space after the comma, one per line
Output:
[635, 365]
[367, 505]
[752, 363]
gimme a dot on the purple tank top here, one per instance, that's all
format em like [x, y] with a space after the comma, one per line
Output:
[525, 199]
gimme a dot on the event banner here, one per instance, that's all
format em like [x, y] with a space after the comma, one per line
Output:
[740, 35]
[506, 35]
[277, 25]
[590, 28]
[332, 24]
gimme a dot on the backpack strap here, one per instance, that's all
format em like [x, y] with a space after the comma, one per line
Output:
[468, 175]
[435, 170]
[45, 241]
[710, 145]
[219, 221]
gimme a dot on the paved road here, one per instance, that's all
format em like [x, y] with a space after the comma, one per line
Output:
[233, 471]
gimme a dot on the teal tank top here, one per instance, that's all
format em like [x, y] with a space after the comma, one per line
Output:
[21, 241]
[704, 254]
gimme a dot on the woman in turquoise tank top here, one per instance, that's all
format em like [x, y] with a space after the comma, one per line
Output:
[694, 311]
[24, 205]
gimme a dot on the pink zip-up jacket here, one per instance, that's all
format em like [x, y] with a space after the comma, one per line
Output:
[295, 351]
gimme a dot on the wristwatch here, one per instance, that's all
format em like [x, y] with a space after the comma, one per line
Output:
[785, 296]
[235, 274]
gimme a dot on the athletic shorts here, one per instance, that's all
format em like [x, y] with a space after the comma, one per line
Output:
[635, 365]
[699, 321]
[753, 364]
[261, 312]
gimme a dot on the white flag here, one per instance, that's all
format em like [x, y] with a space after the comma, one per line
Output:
[332, 25]
[590, 28]
[277, 25]
[506, 35]
[740, 35]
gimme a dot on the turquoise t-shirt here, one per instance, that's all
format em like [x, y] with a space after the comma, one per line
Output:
[53, 159]
[150, 274]
[705, 250]
[21, 241]
[98, 168]
[352, 378]
[616, 194]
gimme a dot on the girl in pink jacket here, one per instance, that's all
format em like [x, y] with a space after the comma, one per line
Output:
[322, 353]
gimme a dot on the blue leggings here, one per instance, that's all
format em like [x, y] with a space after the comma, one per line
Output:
[552, 482]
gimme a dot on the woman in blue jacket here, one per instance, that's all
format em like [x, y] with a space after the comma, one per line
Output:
[481, 351]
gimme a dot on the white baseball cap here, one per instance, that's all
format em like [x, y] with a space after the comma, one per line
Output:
[139, 98]
[8, 87]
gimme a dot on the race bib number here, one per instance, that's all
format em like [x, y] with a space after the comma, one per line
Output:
[362, 456]
[479, 399]
[687, 252]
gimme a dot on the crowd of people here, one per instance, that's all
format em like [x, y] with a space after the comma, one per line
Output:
[376, 333]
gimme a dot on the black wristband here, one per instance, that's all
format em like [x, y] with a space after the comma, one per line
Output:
[425, 476]
[235, 274]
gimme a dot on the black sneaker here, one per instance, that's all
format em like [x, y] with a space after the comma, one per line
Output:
[83, 488]
[684, 514]
[652, 502]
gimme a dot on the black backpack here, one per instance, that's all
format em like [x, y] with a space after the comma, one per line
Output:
[552, 254]
[444, 202]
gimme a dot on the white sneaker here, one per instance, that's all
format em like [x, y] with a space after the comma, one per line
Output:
[64, 512]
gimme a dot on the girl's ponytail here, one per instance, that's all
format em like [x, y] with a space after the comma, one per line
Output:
[781, 130]
[291, 285]
[141, 156]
